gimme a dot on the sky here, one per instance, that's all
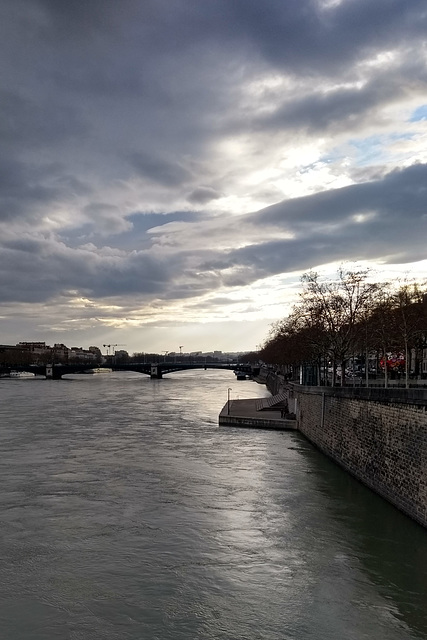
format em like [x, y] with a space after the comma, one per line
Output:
[169, 169]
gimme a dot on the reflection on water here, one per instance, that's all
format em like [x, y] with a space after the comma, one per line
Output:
[390, 547]
[128, 513]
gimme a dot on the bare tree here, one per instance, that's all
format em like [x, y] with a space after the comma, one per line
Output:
[410, 318]
[381, 326]
[339, 307]
[338, 319]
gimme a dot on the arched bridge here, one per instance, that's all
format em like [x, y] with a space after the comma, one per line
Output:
[154, 370]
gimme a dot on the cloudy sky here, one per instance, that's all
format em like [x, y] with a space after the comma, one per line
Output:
[170, 168]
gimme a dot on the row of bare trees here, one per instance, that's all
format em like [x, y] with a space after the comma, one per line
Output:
[347, 318]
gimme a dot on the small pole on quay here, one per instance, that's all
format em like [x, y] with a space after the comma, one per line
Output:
[228, 400]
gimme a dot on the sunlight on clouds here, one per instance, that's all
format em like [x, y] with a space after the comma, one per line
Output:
[267, 299]
[246, 203]
[381, 59]
[398, 142]
[347, 85]
[315, 178]
[330, 4]
[221, 232]
[257, 86]
[411, 149]
[360, 218]
[82, 302]
[134, 195]
[415, 270]
[296, 170]
[264, 94]
[234, 148]
[253, 306]
[269, 174]
[54, 223]
[377, 271]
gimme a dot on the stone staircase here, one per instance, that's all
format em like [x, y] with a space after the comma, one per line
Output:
[277, 402]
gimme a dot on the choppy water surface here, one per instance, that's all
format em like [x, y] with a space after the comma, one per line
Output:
[127, 513]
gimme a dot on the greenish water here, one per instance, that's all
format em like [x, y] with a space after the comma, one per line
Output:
[127, 513]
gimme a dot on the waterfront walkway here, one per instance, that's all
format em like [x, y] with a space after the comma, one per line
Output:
[247, 414]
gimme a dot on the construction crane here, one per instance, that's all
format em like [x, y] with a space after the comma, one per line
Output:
[112, 346]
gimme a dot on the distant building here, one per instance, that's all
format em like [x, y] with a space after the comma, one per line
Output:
[59, 353]
[121, 355]
[97, 352]
[37, 352]
[34, 347]
[77, 354]
[14, 354]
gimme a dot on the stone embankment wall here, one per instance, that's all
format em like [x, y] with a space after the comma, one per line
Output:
[378, 435]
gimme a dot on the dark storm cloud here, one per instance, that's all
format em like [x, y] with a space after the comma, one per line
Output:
[25, 121]
[385, 218]
[301, 36]
[159, 170]
[40, 269]
[202, 195]
[294, 32]
[125, 87]
[22, 192]
[81, 16]
[398, 196]
[337, 110]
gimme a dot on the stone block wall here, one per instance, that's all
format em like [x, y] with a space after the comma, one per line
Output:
[382, 442]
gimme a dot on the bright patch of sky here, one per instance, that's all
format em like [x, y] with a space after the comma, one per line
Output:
[419, 114]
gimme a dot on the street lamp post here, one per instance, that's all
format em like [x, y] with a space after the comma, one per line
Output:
[228, 400]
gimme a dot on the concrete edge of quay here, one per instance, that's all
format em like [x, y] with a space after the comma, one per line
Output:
[244, 414]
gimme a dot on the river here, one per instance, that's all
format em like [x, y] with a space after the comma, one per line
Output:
[127, 513]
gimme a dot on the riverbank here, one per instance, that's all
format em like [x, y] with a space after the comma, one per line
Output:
[378, 435]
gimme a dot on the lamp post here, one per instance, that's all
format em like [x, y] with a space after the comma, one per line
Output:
[228, 400]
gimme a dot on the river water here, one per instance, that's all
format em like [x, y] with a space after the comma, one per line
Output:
[127, 513]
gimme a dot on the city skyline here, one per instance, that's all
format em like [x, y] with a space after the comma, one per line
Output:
[111, 349]
[169, 170]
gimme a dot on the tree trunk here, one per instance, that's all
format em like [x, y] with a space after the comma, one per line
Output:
[385, 368]
[406, 365]
[343, 372]
[366, 367]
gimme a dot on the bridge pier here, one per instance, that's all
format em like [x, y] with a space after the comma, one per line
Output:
[156, 372]
[51, 373]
